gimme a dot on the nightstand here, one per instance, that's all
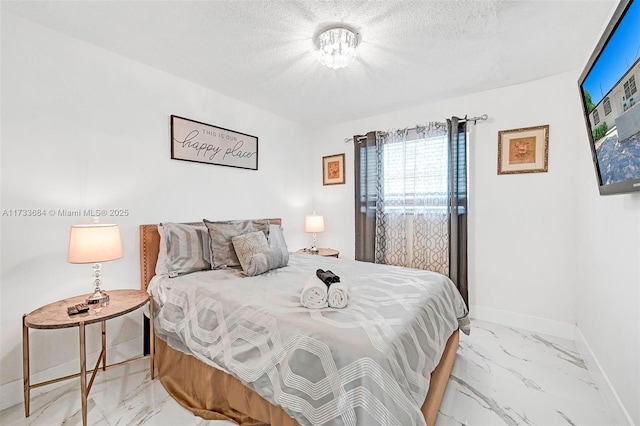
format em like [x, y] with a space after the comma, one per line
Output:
[326, 252]
[55, 315]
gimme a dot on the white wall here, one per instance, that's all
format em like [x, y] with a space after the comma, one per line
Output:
[530, 235]
[84, 128]
[608, 283]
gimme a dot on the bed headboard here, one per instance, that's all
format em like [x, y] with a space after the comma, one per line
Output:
[150, 247]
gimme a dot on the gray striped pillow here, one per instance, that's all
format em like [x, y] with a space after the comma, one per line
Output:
[187, 248]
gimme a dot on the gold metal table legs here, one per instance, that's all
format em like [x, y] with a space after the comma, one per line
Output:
[83, 373]
[25, 366]
[85, 387]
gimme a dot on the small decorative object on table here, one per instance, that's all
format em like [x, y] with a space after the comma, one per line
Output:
[79, 308]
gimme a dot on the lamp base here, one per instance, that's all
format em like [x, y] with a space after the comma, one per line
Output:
[313, 249]
[99, 296]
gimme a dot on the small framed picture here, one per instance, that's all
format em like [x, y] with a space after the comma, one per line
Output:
[523, 150]
[333, 169]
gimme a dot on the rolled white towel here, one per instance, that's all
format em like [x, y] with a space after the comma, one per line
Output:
[314, 294]
[337, 295]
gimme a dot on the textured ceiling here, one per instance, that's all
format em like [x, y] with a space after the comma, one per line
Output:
[411, 52]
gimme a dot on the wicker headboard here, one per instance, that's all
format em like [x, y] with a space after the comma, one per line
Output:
[150, 246]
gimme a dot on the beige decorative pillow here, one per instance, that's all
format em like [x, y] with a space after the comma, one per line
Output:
[246, 245]
[223, 254]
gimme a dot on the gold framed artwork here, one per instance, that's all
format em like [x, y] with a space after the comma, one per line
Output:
[333, 169]
[524, 150]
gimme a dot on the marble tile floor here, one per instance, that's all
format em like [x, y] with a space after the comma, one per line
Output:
[502, 376]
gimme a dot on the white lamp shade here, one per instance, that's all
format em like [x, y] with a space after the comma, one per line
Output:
[98, 242]
[313, 223]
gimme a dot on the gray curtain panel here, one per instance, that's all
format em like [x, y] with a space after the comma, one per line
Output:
[366, 177]
[458, 202]
[409, 214]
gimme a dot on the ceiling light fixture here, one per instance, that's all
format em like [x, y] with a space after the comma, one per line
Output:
[337, 47]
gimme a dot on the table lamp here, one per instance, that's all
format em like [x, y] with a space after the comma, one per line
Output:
[314, 223]
[95, 243]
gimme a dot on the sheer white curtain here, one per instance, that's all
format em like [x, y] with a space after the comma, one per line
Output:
[412, 214]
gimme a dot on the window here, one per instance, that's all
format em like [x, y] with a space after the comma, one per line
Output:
[368, 175]
[607, 106]
[596, 117]
[415, 170]
[630, 87]
[415, 175]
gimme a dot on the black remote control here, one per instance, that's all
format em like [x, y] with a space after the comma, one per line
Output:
[80, 308]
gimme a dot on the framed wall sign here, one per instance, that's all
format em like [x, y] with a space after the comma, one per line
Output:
[523, 150]
[203, 143]
[333, 169]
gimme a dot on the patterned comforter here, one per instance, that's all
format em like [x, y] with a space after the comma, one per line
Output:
[367, 364]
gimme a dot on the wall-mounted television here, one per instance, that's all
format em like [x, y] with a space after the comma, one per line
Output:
[609, 87]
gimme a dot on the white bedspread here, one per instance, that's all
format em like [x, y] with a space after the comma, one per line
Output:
[367, 364]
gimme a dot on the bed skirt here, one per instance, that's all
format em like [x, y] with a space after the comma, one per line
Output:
[214, 395]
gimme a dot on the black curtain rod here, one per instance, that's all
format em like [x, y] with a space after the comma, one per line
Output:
[483, 117]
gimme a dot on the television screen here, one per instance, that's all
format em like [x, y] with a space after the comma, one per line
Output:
[610, 99]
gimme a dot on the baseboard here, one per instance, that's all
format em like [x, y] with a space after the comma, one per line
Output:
[12, 393]
[601, 380]
[526, 322]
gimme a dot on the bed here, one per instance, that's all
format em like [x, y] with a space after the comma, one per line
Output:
[239, 385]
